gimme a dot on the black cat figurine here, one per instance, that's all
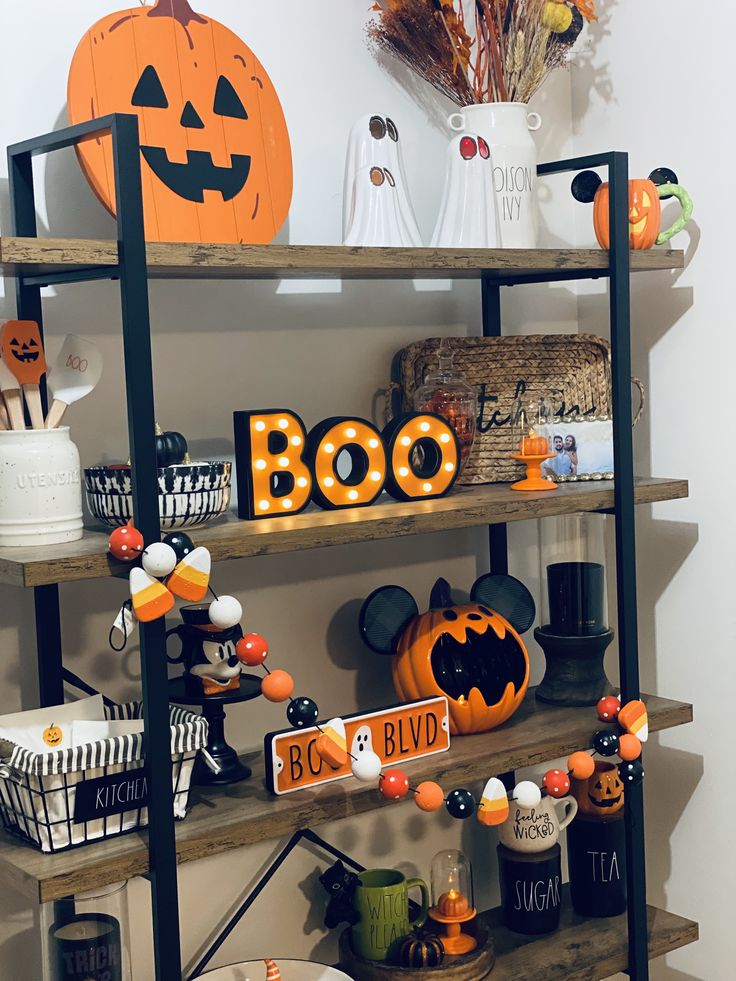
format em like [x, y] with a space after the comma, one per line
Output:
[340, 885]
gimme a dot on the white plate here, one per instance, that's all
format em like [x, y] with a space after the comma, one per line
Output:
[290, 971]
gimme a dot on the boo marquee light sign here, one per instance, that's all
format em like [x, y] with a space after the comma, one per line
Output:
[342, 463]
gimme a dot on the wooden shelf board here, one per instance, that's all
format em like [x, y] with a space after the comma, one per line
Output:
[582, 949]
[242, 814]
[229, 538]
[28, 256]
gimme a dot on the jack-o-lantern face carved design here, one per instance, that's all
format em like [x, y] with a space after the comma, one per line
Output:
[216, 154]
[602, 795]
[472, 653]
[22, 350]
[645, 209]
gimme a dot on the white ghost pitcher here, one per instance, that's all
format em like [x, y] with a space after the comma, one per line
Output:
[374, 142]
[468, 215]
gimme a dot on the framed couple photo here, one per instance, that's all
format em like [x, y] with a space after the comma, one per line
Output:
[583, 449]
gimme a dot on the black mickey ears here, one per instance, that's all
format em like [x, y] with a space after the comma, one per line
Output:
[507, 596]
[584, 186]
[383, 617]
[663, 175]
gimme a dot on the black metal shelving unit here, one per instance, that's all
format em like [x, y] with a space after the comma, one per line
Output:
[132, 273]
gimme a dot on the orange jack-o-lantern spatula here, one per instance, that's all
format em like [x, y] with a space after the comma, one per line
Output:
[22, 352]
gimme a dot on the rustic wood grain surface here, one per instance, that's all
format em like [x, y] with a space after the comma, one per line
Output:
[230, 538]
[191, 260]
[242, 814]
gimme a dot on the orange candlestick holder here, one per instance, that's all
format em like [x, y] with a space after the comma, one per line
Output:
[534, 481]
[452, 910]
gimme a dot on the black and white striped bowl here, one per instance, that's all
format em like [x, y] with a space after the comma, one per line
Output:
[189, 493]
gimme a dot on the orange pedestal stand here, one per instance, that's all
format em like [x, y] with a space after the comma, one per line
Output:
[534, 481]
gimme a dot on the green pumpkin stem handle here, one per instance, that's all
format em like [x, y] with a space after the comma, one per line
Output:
[686, 203]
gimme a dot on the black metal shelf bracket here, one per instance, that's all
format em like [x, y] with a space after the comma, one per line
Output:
[133, 275]
[618, 275]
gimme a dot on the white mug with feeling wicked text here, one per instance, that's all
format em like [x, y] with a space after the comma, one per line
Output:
[536, 829]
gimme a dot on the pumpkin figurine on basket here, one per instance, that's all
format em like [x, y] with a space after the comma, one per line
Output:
[472, 653]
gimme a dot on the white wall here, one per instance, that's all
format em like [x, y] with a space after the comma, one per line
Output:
[656, 87]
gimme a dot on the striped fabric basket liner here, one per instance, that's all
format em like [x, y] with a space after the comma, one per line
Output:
[38, 790]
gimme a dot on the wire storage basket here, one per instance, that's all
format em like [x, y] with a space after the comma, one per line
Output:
[69, 797]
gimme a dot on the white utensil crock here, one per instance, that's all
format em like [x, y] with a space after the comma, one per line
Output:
[40, 488]
[507, 128]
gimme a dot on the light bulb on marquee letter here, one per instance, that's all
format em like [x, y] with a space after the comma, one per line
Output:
[358, 444]
[423, 456]
[272, 476]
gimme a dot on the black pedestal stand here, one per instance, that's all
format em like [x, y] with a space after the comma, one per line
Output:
[575, 673]
[182, 691]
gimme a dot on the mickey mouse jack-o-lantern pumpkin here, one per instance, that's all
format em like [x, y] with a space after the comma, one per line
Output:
[216, 158]
[472, 652]
[645, 209]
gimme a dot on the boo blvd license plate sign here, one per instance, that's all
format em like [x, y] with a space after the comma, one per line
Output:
[396, 734]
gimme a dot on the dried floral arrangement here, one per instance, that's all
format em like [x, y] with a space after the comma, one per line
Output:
[478, 51]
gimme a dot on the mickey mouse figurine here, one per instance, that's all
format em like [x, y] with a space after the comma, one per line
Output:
[211, 664]
[472, 653]
[645, 209]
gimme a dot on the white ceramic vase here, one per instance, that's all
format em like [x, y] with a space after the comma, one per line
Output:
[468, 217]
[506, 127]
[40, 488]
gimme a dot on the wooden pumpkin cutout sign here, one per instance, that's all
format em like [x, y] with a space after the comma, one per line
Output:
[216, 157]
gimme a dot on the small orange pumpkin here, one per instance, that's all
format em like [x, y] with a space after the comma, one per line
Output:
[53, 736]
[216, 158]
[534, 446]
[472, 653]
[602, 794]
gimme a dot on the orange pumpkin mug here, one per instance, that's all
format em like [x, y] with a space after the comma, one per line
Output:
[601, 796]
[645, 209]
[215, 153]
[472, 653]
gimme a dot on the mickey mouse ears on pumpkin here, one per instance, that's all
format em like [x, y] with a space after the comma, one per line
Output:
[585, 184]
[507, 596]
[386, 613]
[384, 616]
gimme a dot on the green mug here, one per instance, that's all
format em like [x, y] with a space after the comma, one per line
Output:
[382, 900]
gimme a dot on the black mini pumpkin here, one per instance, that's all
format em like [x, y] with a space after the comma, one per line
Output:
[171, 448]
[421, 950]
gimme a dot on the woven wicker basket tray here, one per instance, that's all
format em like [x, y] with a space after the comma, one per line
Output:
[578, 366]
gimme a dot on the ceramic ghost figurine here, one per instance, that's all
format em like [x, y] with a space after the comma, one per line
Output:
[377, 216]
[468, 216]
[374, 142]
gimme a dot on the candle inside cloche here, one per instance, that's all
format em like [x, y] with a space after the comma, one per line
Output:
[447, 393]
[453, 902]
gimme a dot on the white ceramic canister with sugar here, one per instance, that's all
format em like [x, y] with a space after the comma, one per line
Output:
[40, 488]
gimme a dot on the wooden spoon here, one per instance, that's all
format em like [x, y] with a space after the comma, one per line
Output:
[13, 399]
[74, 373]
[22, 352]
